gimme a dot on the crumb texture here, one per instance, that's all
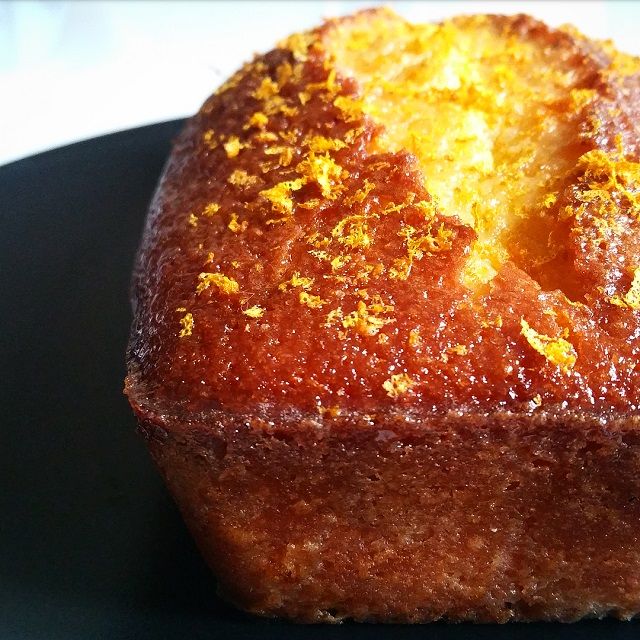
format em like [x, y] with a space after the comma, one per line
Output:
[462, 521]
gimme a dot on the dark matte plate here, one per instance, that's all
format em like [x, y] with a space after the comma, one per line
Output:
[91, 545]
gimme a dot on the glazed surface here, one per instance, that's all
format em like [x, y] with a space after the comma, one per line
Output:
[295, 256]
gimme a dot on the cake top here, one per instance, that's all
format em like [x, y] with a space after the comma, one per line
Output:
[378, 214]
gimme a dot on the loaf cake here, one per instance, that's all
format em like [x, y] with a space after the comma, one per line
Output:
[387, 321]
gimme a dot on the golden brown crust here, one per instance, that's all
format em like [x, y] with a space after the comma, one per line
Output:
[272, 146]
[302, 320]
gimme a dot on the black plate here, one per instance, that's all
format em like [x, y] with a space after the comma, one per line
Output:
[91, 545]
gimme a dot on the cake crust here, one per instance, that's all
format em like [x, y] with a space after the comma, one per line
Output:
[411, 519]
[347, 325]
[361, 408]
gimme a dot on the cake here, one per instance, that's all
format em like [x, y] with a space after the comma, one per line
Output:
[386, 324]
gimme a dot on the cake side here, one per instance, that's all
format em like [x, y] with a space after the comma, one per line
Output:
[295, 255]
[406, 519]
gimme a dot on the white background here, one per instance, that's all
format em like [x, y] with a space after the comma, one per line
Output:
[73, 70]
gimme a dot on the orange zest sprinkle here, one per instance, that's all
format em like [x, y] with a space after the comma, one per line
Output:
[254, 312]
[221, 282]
[557, 350]
[187, 325]
[397, 385]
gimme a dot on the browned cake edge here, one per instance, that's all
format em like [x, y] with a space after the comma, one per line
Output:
[411, 518]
